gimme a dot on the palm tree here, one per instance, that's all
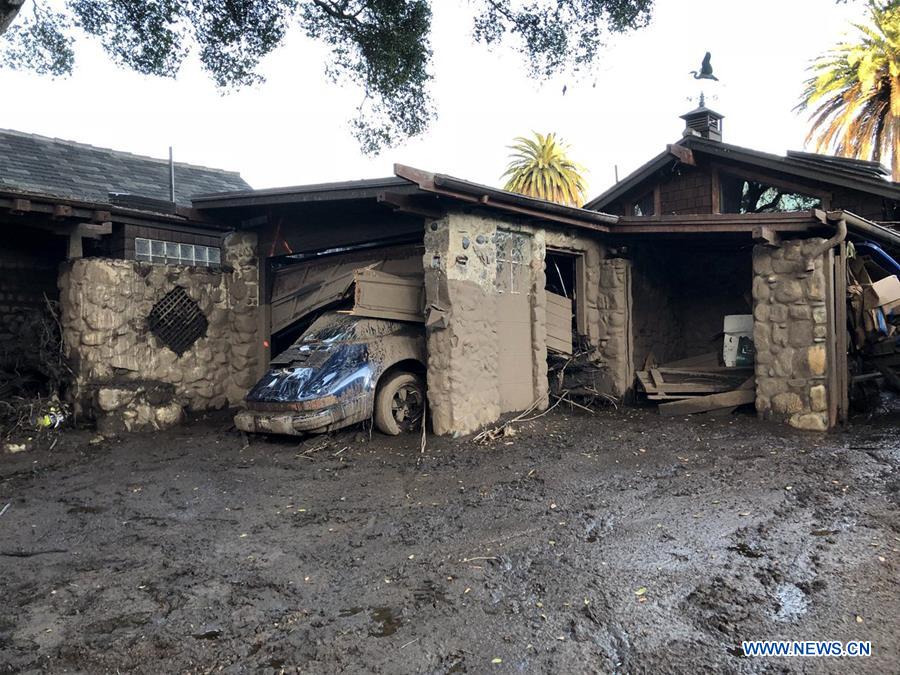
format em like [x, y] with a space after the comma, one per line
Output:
[856, 88]
[541, 168]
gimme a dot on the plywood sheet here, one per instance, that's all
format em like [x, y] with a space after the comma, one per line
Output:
[559, 323]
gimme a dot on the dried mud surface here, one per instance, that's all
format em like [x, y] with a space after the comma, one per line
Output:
[185, 551]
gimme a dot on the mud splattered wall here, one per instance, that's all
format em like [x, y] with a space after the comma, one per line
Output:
[467, 309]
[105, 309]
[460, 272]
[790, 334]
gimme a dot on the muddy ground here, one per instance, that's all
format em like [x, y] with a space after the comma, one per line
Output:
[613, 542]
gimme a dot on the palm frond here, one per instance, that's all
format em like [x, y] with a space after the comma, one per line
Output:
[854, 91]
[540, 167]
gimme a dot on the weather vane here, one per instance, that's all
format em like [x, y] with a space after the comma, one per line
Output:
[705, 73]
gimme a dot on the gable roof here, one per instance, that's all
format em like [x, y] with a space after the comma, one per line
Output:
[838, 171]
[50, 166]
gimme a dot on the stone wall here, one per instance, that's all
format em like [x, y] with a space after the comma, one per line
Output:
[105, 304]
[790, 334]
[613, 317]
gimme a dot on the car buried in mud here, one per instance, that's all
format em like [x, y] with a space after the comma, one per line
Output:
[343, 370]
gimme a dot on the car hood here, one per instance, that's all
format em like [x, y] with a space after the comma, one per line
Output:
[332, 370]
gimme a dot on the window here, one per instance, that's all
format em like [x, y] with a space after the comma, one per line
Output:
[644, 206]
[749, 196]
[172, 253]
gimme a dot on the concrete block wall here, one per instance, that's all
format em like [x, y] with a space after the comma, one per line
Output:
[105, 304]
[790, 333]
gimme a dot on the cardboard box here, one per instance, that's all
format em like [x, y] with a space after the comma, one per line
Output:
[882, 292]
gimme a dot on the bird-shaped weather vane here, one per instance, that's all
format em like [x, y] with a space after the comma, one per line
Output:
[706, 71]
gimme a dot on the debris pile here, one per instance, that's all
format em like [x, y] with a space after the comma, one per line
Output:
[873, 299]
[697, 384]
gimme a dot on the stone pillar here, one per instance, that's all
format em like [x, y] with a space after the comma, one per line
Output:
[539, 319]
[790, 333]
[613, 321]
[239, 253]
[460, 269]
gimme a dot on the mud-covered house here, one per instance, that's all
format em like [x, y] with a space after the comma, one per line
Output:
[518, 299]
[645, 275]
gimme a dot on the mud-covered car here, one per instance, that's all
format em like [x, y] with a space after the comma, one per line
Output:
[343, 370]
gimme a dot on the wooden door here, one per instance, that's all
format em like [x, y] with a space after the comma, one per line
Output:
[513, 321]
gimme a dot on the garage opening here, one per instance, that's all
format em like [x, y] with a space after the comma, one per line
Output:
[31, 362]
[692, 318]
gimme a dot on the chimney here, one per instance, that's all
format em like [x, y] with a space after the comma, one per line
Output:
[703, 122]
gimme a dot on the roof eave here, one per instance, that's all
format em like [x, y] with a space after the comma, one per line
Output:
[483, 195]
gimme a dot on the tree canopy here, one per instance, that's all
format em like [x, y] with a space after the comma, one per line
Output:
[381, 46]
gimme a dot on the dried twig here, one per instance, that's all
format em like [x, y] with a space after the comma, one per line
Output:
[3, 510]
[424, 419]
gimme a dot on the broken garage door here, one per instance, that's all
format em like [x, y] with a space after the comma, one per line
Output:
[308, 286]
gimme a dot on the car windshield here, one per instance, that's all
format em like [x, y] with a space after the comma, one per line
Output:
[333, 327]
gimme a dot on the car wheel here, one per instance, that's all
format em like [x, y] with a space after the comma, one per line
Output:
[400, 404]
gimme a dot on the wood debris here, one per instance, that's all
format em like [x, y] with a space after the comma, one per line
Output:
[697, 384]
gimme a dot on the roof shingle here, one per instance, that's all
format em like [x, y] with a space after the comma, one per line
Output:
[31, 163]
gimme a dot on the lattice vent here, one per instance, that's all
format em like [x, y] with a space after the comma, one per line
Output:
[177, 321]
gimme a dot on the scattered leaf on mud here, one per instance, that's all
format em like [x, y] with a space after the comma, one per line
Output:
[788, 487]
[495, 661]
[859, 619]
[243, 534]
[641, 591]
[744, 513]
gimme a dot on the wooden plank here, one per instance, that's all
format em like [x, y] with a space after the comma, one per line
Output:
[710, 359]
[831, 375]
[841, 321]
[714, 373]
[388, 296]
[700, 404]
[580, 295]
[657, 378]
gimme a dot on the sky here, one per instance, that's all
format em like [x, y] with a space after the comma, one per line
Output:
[294, 130]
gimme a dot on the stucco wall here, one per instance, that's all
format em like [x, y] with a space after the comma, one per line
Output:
[460, 271]
[790, 334]
[460, 263]
[105, 304]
